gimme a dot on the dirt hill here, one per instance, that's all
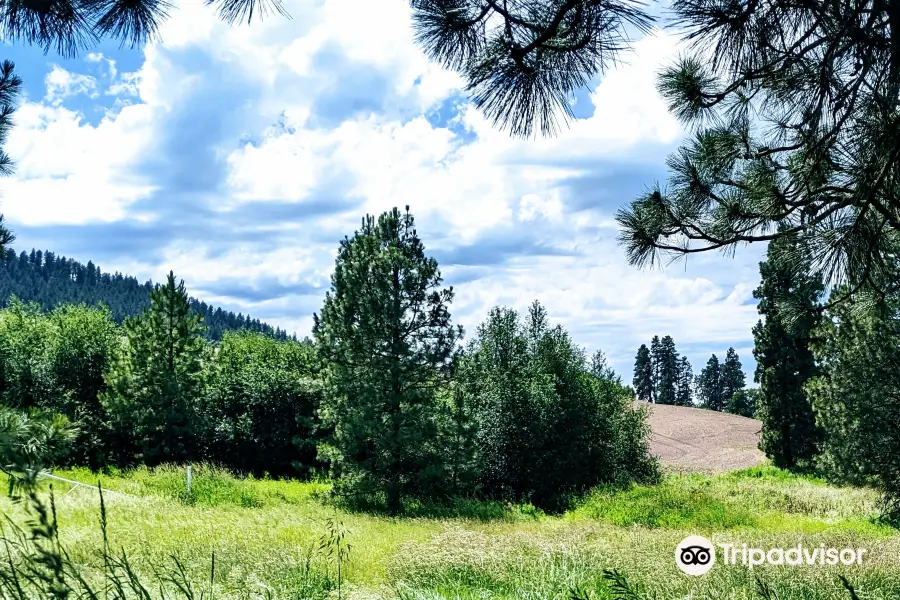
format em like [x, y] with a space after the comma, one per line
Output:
[698, 440]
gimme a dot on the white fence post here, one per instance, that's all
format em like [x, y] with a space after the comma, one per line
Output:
[189, 480]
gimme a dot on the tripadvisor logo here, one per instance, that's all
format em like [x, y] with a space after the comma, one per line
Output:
[696, 555]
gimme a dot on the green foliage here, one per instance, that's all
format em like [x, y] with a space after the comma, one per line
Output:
[387, 344]
[155, 383]
[10, 89]
[84, 340]
[51, 280]
[684, 392]
[743, 403]
[709, 385]
[732, 378]
[335, 547]
[784, 359]
[262, 405]
[546, 427]
[794, 109]
[26, 346]
[660, 375]
[31, 441]
[643, 374]
[855, 396]
[523, 60]
[71, 26]
[665, 361]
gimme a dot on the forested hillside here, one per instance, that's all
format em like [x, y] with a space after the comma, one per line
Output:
[51, 280]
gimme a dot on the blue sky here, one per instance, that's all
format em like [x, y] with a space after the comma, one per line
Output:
[240, 156]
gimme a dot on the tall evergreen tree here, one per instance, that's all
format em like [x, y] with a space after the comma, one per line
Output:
[784, 357]
[155, 383]
[733, 378]
[684, 394]
[643, 374]
[856, 396]
[668, 371]
[655, 362]
[386, 340]
[709, 385]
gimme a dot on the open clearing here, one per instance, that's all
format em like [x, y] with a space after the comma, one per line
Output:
[265, 536]
[693, 440]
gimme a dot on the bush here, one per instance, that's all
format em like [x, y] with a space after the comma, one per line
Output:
[544, 426]
[262, 405]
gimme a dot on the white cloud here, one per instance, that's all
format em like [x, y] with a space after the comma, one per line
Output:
[72, 171]
[62, 84]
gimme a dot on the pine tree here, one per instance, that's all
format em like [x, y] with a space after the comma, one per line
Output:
[155, 383]
[71, 26]
[784, 358]
[385, 336]
[709, 385]
[643, 375]
[684, 395]
[733, 378]
[10, 90]
[523, 60]
[797, 132]
[655, 362]
[855, 396]
[667, 371]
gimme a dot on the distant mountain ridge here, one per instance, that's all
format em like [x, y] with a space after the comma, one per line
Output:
[50, 280]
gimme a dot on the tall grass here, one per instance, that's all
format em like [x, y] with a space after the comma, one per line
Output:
[157, 542]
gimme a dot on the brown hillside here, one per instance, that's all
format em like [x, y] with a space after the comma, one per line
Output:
[699, 440]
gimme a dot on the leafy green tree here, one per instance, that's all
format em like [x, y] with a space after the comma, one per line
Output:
[26, 375]
[155, 384]
[262, 405]
[387, 344]
[742, 402]
[600, 368]
[546, 425]
[856, 396]
[794, 107]
[709, 385]
[522, 61]
[684, 394]
[784, 357]
[84, 341]
[643, 374]
[732, 378]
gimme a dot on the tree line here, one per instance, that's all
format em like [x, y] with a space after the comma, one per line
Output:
[385, 398]
[662, 376]
[50, 280]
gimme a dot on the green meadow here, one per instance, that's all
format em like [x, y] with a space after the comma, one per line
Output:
[265, 538]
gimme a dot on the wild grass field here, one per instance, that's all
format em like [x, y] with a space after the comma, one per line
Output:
[265, 536]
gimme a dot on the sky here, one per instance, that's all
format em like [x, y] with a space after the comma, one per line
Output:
[240, 156]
